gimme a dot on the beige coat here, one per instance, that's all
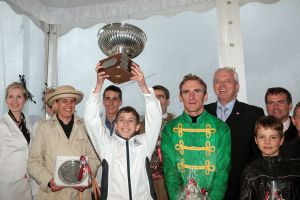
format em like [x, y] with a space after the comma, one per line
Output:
[50, 141]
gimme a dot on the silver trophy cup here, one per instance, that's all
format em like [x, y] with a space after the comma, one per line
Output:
[121, 42]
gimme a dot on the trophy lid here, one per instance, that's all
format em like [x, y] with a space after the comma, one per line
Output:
[123, 38]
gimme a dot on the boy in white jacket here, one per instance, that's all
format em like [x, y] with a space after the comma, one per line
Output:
[125, 155]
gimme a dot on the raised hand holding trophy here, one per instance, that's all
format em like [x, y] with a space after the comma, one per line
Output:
[121, 42]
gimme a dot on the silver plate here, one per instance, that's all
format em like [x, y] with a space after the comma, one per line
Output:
[68, 172]
[121, 38]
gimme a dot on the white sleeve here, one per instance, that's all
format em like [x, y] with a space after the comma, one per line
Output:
[153, 119]
[95, 128]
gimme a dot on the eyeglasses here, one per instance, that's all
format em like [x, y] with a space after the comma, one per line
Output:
[280, 102]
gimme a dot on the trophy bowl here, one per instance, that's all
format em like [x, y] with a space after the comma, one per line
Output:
[121, 38]
[121, 42]
[69, 171]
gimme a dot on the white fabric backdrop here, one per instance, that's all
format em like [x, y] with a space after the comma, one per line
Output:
[21, 52]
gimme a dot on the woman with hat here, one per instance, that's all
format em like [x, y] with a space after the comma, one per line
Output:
[62, 135]
[50, 111]
[16, 137]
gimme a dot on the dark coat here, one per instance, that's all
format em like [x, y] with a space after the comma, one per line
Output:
[290, 133]
[243, 148]
[291, 149]
[266, 175]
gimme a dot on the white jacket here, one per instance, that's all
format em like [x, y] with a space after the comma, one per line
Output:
[117, 153]
[14, 151]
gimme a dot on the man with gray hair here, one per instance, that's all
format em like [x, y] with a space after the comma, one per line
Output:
[241, 118]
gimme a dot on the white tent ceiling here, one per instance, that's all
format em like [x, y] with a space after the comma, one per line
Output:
[84, 13]
[270, 36]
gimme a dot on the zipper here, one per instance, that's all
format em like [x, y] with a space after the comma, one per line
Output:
[128, 170]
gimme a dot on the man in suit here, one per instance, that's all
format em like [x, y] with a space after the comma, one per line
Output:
[241, 118]
[279, 104]
[292, 148]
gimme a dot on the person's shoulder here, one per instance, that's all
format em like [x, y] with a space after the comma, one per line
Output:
[252, 166]
[250, 109]
[249, 106]
[212, 118]
[78, 120]
[291, 148]
[175, 121]
[43, 122]
[210, 105]
[292, 142]
[2, 120]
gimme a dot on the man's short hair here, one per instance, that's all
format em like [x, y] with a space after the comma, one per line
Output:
[296, 108]
[269, 122]
[128, 109]
[162, 88]
[192, 77]
[278, 90]
[114, 89]
[230, 69]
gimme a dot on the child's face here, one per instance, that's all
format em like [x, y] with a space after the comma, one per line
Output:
[268, 141]
[296, 120]
[126, 125]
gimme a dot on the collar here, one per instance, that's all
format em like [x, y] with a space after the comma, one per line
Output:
[165, 115]
[188, 118]
[286, 124]
[229, 105]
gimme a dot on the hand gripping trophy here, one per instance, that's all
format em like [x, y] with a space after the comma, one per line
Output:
[121, 42]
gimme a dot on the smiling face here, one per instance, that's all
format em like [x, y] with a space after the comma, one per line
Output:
[126, 124]
[225, 86]
[193, 96]
[15, 99]
[65, 108]
[268, 141]
[111, 102]
[278, 106]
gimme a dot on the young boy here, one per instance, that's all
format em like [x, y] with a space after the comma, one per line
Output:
[125, 155]
[270, 177]
[292, 148]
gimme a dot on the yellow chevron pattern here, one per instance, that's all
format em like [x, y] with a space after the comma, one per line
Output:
[207, 167]
[208, 130]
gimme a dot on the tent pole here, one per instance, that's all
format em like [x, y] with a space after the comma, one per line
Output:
[51, 55]
[230, 41]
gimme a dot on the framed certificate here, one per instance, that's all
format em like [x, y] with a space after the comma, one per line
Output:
[68, 172]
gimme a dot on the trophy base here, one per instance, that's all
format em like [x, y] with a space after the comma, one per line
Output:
[118, 67]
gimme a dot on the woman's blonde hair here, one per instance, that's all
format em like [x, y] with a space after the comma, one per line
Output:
[14, 85]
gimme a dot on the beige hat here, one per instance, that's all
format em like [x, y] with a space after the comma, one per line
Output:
[65, 91]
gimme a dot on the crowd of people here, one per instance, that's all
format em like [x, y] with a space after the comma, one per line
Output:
[227, 149]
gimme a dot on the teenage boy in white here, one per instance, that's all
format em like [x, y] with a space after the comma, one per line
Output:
[125, 155]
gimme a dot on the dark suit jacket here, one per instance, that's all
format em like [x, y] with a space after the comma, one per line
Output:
[243, 148]
[291, 149]
[290, 133]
